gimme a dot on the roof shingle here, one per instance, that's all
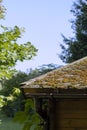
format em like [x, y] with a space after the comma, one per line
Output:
[73, 75]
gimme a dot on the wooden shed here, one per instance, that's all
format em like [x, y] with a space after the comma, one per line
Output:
[65, 92]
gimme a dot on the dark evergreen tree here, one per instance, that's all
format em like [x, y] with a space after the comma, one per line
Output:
[76, 47]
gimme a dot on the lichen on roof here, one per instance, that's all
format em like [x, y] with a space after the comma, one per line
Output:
[73, 75]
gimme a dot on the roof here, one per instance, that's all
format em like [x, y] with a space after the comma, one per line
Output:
[73, 75]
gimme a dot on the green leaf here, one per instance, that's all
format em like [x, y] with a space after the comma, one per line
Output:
[33, 127]
[16, 91]
[2, 101]
[11, 51]
[21, 117]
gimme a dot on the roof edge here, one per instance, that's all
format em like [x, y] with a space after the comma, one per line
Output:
[55, 93]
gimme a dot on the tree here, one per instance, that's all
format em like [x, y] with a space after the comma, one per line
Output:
[11, 51]
[76, 47]
[8, 89]
[2, 10]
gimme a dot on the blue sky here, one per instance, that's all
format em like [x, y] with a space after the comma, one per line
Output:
[44, 22]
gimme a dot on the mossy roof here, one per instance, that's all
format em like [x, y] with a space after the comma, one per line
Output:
[73, 75]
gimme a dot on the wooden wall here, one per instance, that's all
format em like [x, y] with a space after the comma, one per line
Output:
[70, 114]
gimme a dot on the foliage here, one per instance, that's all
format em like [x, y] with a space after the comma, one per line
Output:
[76, 48]
[11, 51]
[14, 83]
[7, 103]
[12, 87]
[41, 70]
[29, 117]
[2, 101]
[2, 10]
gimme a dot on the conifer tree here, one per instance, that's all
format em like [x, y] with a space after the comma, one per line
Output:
[76, 47]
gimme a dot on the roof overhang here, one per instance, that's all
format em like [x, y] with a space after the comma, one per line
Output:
[56, 93]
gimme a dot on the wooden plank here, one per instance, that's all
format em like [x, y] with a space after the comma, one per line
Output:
[52, 115]
[71, 115]
[76, 123]
[70, 128]
[66, 128]
[72, 105]
[39, 90]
